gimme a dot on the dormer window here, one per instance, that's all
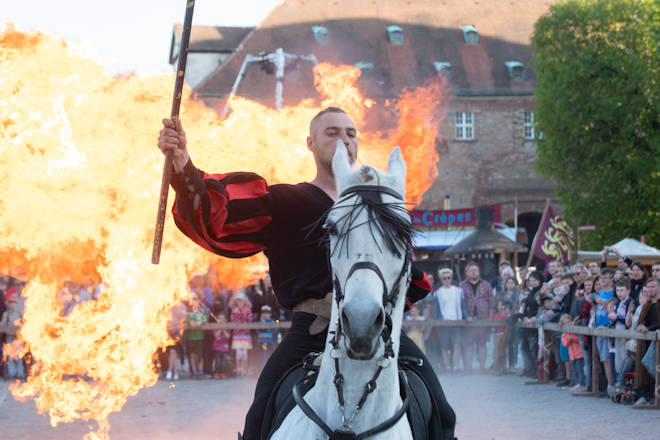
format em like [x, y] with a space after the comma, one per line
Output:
[321, 35]
[443, 67]
[395, 35]
[365, 66]
[516, 70]
[470, 34]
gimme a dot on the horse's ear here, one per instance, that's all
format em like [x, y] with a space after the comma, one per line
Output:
[396, 166]
[341, 166]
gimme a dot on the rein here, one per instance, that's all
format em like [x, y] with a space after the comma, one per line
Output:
[390, 298]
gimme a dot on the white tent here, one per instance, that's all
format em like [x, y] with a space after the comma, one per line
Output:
[628, 247]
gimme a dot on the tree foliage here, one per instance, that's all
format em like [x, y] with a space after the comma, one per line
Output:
[598, 111]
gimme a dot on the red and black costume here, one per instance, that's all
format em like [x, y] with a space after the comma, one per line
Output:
[238, 214]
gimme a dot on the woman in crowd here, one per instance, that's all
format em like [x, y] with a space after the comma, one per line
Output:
[529, 344]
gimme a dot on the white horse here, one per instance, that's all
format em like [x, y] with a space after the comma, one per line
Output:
[357, 392]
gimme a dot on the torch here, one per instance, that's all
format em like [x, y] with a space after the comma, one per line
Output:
[176, 104]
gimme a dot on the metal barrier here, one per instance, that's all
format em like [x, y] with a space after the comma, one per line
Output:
[547, 327]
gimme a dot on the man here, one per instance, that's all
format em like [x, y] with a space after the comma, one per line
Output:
[573, 299]
[239, 214]
[655, 270]
[594, 269]
[498, 283]
[649, 320]
[602, 321]
[450, 307]
[479, 304]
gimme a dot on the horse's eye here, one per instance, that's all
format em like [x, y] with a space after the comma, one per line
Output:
[331, 227]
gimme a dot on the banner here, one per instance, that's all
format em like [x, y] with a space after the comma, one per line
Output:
[554, 239]
[451, 217]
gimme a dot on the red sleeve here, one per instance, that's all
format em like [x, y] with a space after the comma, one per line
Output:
[232, 212]
[419, 287]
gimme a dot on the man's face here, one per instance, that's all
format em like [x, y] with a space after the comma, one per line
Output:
[622, 292]
[636, 273]
[473, 272]
[446, 279]
[605, 281]
[552, 267]
[325, 132]
[578, 275]
[655, 271]
[653, 288]
[594, 268]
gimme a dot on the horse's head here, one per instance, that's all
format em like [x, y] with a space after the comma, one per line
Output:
[370, 233]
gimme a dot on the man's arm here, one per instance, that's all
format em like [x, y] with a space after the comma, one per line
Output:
[419, 287]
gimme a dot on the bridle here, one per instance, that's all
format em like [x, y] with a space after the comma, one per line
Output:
[390, 297]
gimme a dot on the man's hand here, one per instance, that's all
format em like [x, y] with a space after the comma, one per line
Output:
[173, 138]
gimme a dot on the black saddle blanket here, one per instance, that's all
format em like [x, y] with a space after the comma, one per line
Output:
[281, 400]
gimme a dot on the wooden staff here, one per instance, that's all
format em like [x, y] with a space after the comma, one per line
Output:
[535, 241]
[176, 104]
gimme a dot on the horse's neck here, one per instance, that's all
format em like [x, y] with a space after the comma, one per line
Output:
[381, 403]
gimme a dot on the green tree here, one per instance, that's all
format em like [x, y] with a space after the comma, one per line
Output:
[597, 108]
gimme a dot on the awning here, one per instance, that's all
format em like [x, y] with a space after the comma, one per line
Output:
[443, 239]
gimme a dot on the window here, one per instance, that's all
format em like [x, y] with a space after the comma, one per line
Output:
[321, 35]
[529, 125]
[395, 35]
[470, 35]
[464, 125]
[516, 70]
[365, 66]
[443, 67]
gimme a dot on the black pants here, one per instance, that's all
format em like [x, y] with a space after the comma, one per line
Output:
[298, 343]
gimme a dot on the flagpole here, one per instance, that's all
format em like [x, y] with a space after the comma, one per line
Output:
[536, 236]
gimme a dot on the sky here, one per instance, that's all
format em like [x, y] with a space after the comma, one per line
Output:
[127, 35]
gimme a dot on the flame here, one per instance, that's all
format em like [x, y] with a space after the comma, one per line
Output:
[79, 183]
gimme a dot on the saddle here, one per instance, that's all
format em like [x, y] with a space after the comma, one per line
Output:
[304, 375]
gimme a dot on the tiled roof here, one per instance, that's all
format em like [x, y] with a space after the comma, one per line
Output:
[357, 32]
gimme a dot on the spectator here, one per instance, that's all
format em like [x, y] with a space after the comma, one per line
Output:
[619, 274]
[622, 318]
[500, 339]
[509, 292]
[649, 318]
[602, 320]
[638, 278]
[450, 307]
[221, 349]
[574, 296]
[266, 338]
[497, 283]
[15, 367]
[529, 345]
[175, 351]
[594, 268]
[416, 333]
[575, 355]
[655, 270]
[555, 271]
[242, 339]
[479, 304]
[195, 318]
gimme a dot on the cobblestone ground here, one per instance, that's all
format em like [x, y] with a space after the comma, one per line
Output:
[487, 407]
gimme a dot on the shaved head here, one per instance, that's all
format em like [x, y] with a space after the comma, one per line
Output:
[313, 124]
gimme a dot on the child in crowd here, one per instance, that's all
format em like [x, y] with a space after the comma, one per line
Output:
[576, 358]
[221, 349]
[195, 337]
[178, 315]
[417, 333]
[500, 338]
[266, 338]
[241, 311]
[15, 369]
[622, 318]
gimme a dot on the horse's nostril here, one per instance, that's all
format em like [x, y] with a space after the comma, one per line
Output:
[380, 319]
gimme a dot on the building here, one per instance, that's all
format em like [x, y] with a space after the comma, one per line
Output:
[487, 143]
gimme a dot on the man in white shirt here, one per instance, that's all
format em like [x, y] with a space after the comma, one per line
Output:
[448, 298]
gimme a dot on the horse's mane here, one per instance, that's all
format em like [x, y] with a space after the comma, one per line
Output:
[390, 219]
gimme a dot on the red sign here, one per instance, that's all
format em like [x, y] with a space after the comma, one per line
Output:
[451, 217]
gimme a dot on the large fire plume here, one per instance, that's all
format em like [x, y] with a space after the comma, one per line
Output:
[79, 183]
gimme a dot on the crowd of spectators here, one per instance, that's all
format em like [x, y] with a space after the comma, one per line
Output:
[597, 296]
[621, 297]
[196, 352]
